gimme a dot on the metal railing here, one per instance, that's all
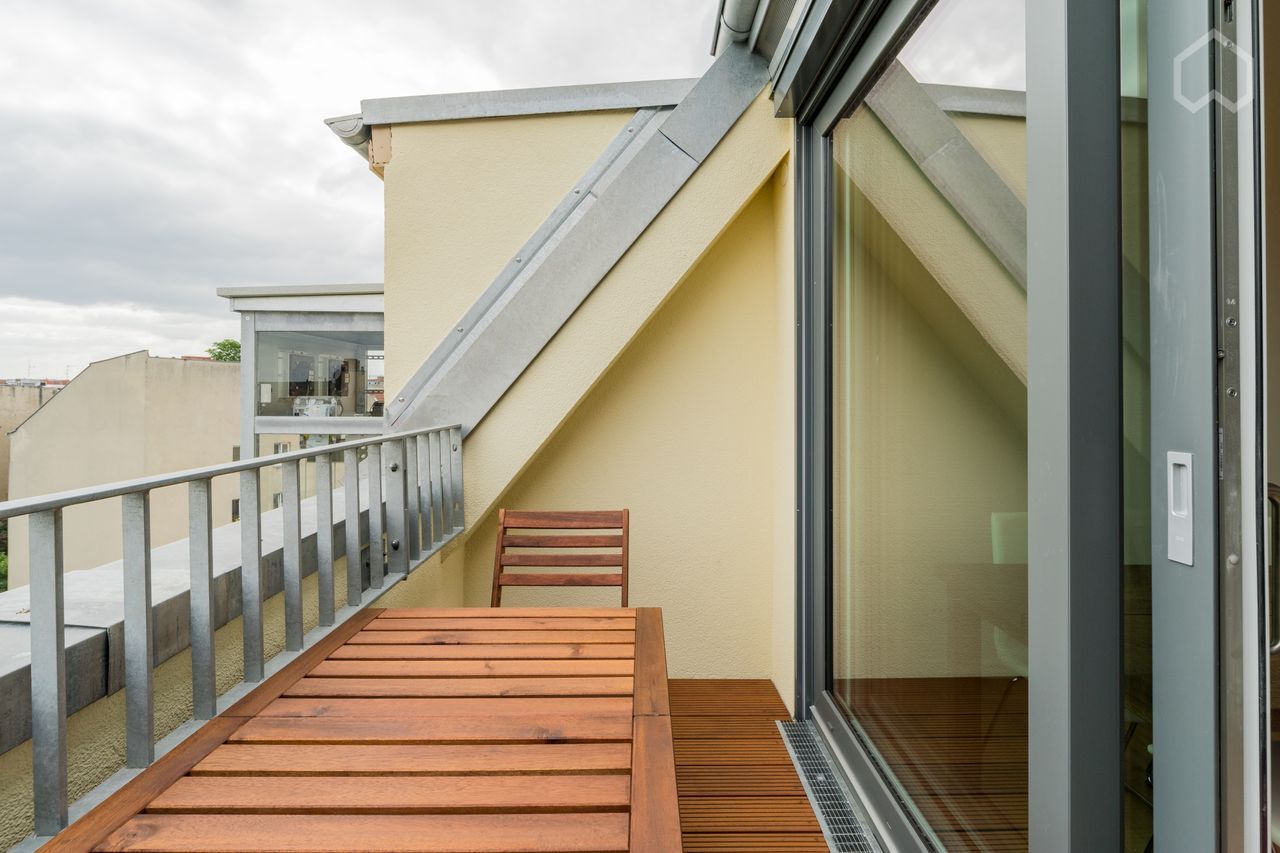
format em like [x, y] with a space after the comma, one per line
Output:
[416, 474]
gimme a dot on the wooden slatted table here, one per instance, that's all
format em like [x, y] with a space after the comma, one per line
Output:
[435, 730]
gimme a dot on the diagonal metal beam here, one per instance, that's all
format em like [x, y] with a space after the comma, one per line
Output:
[960, 173]
[576, 248]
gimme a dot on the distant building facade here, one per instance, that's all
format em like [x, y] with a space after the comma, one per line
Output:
[119, 419]
[19, 399]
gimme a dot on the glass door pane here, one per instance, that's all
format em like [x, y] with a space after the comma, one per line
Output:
[1135, 213]
[929, 432]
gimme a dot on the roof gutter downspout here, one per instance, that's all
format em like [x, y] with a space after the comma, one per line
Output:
[738, 18]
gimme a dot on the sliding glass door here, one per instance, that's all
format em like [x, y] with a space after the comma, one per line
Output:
[929, 426]
[927, 538]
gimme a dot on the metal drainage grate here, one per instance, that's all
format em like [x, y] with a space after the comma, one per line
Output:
[843, 822]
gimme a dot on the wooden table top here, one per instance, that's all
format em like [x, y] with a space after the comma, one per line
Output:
[520, 729]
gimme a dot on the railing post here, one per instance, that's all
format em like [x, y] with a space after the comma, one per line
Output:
[376, 567]
[413, 508]
[397, 528]
[437, 492]
[446, 480]
[139, 697]
[455, 458]
[292, 512]
[423, 454]
[48, 673]
[251, 573]
[324, 537]
[204, 683]
[351, 487]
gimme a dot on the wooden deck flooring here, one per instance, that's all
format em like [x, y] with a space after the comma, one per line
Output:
[738, 788]
[427, 730]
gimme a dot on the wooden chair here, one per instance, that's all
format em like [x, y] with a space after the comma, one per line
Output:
[533, 549]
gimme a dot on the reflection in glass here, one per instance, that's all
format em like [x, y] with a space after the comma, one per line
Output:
[930, 427]
[319, 374]
[1137, 428]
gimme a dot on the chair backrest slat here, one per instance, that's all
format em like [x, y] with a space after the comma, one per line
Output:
[609, 549]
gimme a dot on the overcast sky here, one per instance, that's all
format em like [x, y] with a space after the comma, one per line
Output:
[157, 150]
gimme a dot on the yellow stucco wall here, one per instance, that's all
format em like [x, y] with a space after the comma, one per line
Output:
[462, 197]
[681, 431]
[120, 419]
[693, 250]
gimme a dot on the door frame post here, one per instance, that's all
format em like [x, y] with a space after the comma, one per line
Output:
[1075, 508]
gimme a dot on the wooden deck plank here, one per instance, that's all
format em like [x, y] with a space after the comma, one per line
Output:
[454, 707]
[459, 687]
[454, 638]
[746, 727]
[394, 795]
[753, 780]
[414, 760]
[536, 728]
[372, 833]
[515, 623]
[738, 788]
[706, 697]
[738, 814]
[388, 669]
[745, 842]
[488, 651]
[717, 752]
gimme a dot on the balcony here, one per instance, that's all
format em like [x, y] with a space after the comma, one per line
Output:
[392, 729]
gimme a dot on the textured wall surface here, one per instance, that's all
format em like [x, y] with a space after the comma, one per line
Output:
[120, 419]
[461, 198]
[17, 403]
[681, 431]
[662, 393]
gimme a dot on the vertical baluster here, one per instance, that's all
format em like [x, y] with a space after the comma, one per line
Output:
[455, 459]
[324, 537]
[351, 487]
[446, 481]
[424, 491]
[437, 497]
[374, 466]
[413, 509]
[251, 573]
[291, 511]
[204, 685]
[139, 716]
[397, 526]
[48, 673]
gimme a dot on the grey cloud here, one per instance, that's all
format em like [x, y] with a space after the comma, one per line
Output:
[159, 149]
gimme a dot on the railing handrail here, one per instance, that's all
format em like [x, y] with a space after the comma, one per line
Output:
[417, 472]
[88, 494]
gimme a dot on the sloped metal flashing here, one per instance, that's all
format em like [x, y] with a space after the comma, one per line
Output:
[954, 166]
[354, 130]
[517, 102]
[581, 241]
